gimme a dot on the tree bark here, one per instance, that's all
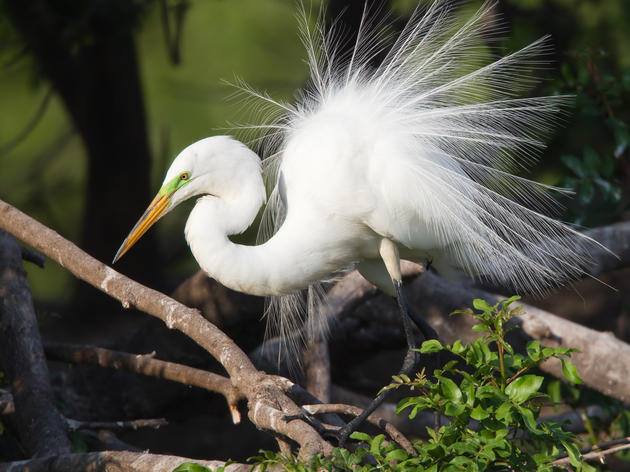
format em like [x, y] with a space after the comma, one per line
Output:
[40, 426]
[600, 361]
[110, 461]
[268, 406]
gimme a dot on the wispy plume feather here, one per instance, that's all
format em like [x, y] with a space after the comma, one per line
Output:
[463, 132]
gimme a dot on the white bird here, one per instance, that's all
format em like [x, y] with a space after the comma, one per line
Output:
[410, 159]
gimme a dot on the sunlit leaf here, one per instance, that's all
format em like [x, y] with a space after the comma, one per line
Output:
[432, 345]
[450, 389]
[482, 305]
[570, 371]
[192, 467]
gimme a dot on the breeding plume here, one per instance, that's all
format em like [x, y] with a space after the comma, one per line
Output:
[403, 148]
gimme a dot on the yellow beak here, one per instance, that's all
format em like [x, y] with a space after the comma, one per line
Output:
[153, 213]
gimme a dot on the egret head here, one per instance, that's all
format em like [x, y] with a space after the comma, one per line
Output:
[211, 166]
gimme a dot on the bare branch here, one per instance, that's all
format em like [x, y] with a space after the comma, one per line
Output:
[616, 238]
[317, 368]
[109, 441]
[601, 360]
[374, 419]
[598, 362]
[119, 461]
[267, 404]
[597, 451]
[105, 436]
[416, 427]
[146, 364]
[434, 298]
[75, 425]
[32, 256]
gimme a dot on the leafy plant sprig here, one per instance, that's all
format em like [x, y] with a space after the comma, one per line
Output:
[487, 400]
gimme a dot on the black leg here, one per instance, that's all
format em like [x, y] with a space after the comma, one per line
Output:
[409, 366]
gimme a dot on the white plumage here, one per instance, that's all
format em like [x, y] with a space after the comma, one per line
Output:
[417, 151]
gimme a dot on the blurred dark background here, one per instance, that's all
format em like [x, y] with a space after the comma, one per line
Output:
[98, 96]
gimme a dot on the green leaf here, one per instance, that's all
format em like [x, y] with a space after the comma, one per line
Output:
[529, 419]
[524, 387]
[554, 390]
[504, 411]
[509, 301]
[488, 355]
[479, 413]
[375, 445]
[454, 409]
[359, 436]
[450, 389]
[505, 345]
[449, 366]
[591, 161]
[548, 352]
[468, 388]
[573, 452]
[570, 371]
[457, 348]
[191, 467]
[493, 425]
[432, 345]
[397, 455]
[533, 350]
[482, 305]
[586, 191]
[480, 327]
[584, 467]
[435, 450]
[574, 164]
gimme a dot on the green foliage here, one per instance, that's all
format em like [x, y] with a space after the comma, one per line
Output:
[194, 467]
[595, 174]
[604, 417]
[489, 402]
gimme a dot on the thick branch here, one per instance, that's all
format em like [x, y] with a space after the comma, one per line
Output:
[146, 364]
[75, 425]
[40, 427]
[262, 394]
[119, 461]
[616, 238]
[598, 362]
[434, 298]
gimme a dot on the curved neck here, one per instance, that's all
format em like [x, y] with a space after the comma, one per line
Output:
[284, 264]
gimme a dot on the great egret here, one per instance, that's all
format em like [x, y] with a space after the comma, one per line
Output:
[409, 159]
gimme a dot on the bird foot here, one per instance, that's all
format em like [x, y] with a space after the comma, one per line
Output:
[324, 430]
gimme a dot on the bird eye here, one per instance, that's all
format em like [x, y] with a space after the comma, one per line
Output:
[184, 176]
